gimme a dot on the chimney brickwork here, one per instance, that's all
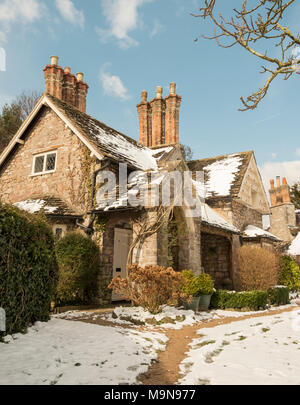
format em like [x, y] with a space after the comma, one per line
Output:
[64, 85]
[281, 193]
[159, 119]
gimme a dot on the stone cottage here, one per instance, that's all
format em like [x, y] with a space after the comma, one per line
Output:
[56, 161]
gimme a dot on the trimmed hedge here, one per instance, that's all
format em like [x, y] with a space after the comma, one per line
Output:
[28, 269]
[197, 285]
[279, 295]
[253, 300]
[78, 260]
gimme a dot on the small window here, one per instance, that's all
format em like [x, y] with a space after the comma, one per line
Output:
[58, 232]
[45, 163]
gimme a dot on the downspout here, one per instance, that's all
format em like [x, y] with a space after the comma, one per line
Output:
[89, 230]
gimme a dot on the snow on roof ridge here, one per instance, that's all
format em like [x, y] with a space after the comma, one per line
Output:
[253, 231]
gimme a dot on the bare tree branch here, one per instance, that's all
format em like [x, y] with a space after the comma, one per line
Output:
[251, 27]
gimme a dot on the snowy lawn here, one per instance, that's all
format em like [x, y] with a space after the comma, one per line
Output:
[264, 350]
[71, 352]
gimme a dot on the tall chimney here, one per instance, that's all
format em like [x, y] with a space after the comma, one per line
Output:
[81, 93]
[54, 76]
[69, 87]
[281, 193]
[144, 112]
[173, 102]
[158, 118]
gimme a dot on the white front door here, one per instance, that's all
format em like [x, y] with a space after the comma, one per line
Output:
[122, 242]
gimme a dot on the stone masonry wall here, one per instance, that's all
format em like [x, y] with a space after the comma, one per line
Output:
[48, 133]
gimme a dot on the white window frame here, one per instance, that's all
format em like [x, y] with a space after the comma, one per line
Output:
[45, 154]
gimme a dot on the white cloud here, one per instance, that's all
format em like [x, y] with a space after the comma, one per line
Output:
[112, 84]
[69, 12]
[298, 152]
[122, 17]
[18, 11]
[157, 28]
[290, 170]
[274, 155]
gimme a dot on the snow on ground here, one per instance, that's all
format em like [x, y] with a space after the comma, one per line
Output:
[170, 317]
[264, 350]
[70, 352]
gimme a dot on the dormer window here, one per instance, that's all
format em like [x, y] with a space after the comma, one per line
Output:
[44, 163]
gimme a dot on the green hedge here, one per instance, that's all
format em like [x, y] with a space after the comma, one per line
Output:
[278, 295]
[28, 268]
[78, 260]
[252, 300]
[290, 274]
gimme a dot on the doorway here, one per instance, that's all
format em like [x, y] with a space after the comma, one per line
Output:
[122, 240]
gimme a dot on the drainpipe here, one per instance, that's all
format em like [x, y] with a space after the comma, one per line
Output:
[89, 230]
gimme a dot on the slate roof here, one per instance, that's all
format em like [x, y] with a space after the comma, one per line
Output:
[231, 169]
[51, 206]
[106, 140]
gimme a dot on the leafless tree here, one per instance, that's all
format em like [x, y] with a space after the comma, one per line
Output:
[253, 27]
[147, 225]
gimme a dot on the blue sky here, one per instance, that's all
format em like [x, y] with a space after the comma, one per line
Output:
[126, 46]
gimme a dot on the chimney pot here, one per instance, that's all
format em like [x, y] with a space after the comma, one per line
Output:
[278, 181]
[284, 181]
[159, 91]
[272, 184]
[67, 69]
[144, 96]
[172, 89]
[79, 77]
[54, 60]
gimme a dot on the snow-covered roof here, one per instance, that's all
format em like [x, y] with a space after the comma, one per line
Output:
[210, 217]
[223, 174]
[106, 140]
[253, 231]
[49, 205]
[294, 248]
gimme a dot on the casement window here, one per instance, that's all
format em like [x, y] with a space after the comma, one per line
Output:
[44, 163]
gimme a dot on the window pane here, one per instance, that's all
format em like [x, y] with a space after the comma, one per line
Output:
[58, 232]
[39, 164]
[50, 164]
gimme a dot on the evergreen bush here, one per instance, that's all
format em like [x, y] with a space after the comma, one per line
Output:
[28, 269]
[78, 259]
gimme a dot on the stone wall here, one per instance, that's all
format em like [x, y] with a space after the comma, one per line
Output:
[48, 133]
[282, 217]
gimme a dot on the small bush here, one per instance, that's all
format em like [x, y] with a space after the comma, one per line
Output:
[278, 295]
[28, 269]
[253, 300]
[150, 287]
[289, 273]
[259, 268]
[79, 265]
[197, 285]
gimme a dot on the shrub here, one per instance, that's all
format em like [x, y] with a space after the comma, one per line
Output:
[150, 287]
[197, 285]
[278, 295]
[289, 273]
[28, 269]
[253, 300]
[78, 260]
[259, 268]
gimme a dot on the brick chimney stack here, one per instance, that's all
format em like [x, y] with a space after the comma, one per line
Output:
[281, 193]
[62, 84]
[158, 107]
[173, 102]
[144, 112]
[54, 76]
[159, 119]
